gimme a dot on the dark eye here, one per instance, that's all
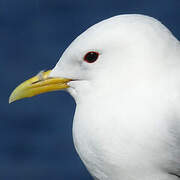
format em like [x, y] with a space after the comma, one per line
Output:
[91, 56]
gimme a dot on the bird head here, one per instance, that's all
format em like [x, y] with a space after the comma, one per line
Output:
[107, 51]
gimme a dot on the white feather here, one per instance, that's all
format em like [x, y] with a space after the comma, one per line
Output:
[126, 124]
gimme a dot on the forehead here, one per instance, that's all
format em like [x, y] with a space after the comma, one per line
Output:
[118, 32]
[118, 27]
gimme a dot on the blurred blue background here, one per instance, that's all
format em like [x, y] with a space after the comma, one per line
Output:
[35, 134]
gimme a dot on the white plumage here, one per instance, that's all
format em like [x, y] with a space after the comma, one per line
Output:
[127, 119]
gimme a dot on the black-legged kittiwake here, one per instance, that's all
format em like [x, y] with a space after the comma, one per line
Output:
[124, 74]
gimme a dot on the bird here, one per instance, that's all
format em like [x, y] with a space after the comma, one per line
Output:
[124, 74]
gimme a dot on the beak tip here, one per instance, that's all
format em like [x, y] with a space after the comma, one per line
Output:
[11, 99]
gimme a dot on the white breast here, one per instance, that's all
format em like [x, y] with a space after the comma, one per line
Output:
[125, 139]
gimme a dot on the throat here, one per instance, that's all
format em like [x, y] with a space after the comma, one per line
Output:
[79, 89]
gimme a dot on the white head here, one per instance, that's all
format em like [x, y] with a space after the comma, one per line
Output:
[125, 45]
[126, 48]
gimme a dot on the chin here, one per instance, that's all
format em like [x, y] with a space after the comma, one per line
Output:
[77, 88]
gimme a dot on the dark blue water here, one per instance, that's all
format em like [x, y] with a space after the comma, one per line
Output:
[35, 134]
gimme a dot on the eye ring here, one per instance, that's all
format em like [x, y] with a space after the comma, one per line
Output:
[91, 56]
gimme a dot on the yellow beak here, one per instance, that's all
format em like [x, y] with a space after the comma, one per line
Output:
[38, 84]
